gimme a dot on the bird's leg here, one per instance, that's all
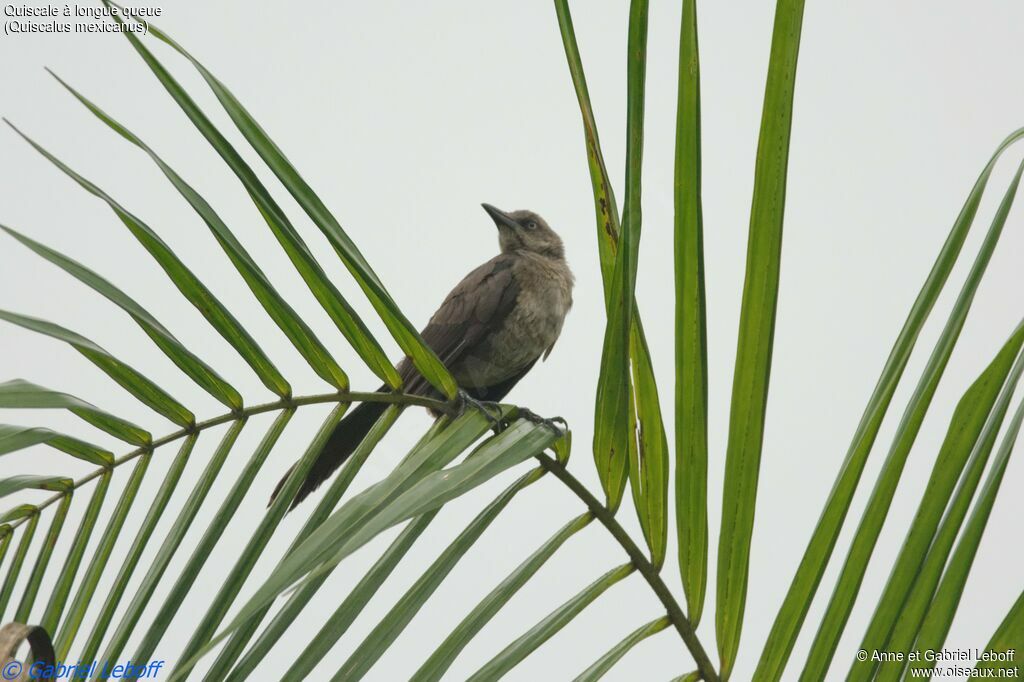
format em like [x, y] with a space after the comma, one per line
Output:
[550, 422]
[485, 408]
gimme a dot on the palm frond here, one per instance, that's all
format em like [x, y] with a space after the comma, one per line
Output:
[792, 612]
[965, 428]
[847, 587]
[923, 603]
[120, 590]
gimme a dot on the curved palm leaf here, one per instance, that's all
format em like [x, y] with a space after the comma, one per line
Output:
[615, 654]
[18, 393]
[18, 437]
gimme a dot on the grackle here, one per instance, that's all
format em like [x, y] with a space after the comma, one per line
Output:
[490, 330]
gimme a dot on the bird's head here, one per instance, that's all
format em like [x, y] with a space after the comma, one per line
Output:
[525, 231]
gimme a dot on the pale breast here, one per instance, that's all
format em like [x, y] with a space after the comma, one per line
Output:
[545, 296]
[530, 329]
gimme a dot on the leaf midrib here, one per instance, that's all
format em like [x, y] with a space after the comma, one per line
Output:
[244, 413]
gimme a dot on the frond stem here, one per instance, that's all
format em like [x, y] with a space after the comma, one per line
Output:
[245, 413]
[643, 566]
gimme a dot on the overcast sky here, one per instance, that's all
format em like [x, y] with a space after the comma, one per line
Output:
[404, 117]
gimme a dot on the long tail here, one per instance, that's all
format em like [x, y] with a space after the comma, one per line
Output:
[348, 434]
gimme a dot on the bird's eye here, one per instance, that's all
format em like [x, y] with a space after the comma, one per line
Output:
[531, 225]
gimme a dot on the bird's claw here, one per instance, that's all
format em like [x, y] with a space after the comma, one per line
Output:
[550, 422]
[486, 408]
[498, 423]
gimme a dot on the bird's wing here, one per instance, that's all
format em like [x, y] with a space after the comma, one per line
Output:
[477, 306]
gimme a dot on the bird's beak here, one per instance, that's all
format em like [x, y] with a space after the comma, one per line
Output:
[499, 217]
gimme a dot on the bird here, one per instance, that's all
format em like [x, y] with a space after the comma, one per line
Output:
[489, 332]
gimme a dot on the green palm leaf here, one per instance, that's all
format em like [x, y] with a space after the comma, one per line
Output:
[870, 527]
[157, 567]
[549, 626]
[42, 560]
[101, 555]
[1008, 640]
[969, 419]
[190, 572]
[353, 605]
[218, 609]
[602, 665]
[23, 394]
[14, 570]
[691, 484]
[131, 380]
[13, 484]
[392, 625]
[441, 659]
[756, 333]
[19, 437]
[135, 552]
[304, 595]
[946, 597]
[808, 575]
[62, 589]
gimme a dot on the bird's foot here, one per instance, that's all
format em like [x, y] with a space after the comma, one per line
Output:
[556, 424]
[486, 408]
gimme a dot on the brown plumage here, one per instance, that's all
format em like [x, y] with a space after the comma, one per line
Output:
[489, 331]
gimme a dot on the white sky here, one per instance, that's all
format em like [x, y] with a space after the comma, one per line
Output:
[405, 116]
